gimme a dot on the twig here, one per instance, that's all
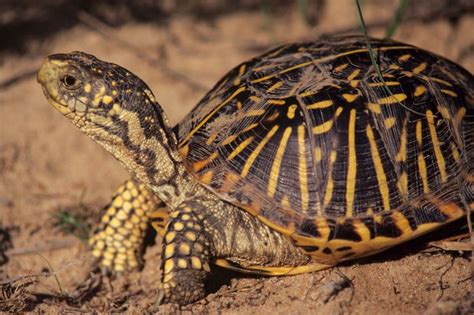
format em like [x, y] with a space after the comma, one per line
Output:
[452, 246]
[54, 245]
[440, 282]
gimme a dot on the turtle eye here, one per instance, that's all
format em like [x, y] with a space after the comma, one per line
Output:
[71, 82]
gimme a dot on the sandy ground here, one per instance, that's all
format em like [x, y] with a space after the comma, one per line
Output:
[47, 165]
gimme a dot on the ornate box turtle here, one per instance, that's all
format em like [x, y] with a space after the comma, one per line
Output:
[295, 161]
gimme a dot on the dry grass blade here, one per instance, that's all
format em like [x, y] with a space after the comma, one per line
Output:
[14, 295]
[453, 246]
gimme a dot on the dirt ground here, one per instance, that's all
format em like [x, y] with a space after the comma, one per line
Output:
[47, 165]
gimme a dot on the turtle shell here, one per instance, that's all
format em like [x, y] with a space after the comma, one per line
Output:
[307, 138]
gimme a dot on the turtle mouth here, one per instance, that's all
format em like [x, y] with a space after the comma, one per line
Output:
[51, 77]
[48, 77]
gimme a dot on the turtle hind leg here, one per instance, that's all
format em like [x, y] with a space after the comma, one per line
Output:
[117, 242]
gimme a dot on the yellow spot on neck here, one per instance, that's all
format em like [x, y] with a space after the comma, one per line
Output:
[87, 88]
[107, 99]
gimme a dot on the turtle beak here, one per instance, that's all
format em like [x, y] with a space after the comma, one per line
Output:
[49, 78]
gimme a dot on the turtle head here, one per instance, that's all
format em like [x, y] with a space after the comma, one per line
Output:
[101, 98]
[115, 108]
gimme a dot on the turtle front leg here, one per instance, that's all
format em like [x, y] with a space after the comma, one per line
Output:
[185, 257]
[117, 242]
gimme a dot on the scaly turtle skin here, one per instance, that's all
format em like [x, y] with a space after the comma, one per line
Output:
[295, 161]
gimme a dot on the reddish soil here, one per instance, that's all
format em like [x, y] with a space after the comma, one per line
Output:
[46, 165]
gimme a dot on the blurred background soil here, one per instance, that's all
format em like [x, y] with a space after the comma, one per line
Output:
[54, 180]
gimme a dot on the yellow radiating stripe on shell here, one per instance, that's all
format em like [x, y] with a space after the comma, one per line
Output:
[395, 98]
[257, 150]
[388, 83]
[423, 173]
[459, 115]
[375, 108]
[419, 90]
[276, 102]
[341, 67]
[418, 132]
[404, 57]
[318, 154]
[327, 58]
[199, 165]
[389, 122]
[326, 126]
[330, 181]
[233, 137]
[353, 75]
[291, 111]
[352, 163]
[449, 92]
[240, 148]
[303, 175]
[403, 184]
[436, 146]
[402, 151]
[350, 97]
[205, 119]
[255, 112]
[439, 81]
[420, 68]
[275, 171]
[321, 104]
[241, 72]
[455, 151]
[421, 160]
[379, 170]
[275, 86]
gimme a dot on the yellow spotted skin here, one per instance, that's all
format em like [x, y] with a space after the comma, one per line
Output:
[185, 264]
[295, 161]
[117, 242]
